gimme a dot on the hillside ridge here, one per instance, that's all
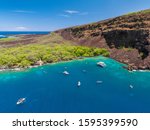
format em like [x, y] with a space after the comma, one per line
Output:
[127, 37]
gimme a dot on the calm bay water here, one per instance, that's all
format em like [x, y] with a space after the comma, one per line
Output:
[48, 90]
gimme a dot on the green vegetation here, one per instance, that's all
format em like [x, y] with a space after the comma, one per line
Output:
[125, 48]
[7, 39]
[139, 12]
[28, 55]
[129, 49]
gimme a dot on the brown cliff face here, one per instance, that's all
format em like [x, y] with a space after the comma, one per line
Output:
[127, 37]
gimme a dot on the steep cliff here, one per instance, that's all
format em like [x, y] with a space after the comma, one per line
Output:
[127, 37]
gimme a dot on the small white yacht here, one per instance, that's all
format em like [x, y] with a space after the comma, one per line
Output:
[99, 82]
[101, 64]
[79, 83]
[21, 101]
[66, 72]
[131, 86]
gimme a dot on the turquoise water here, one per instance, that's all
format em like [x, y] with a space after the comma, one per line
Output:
[48, 90]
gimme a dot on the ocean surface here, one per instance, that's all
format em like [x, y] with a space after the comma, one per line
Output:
[48, 90]
[10, 33]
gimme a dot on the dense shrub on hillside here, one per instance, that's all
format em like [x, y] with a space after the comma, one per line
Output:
[28, 55]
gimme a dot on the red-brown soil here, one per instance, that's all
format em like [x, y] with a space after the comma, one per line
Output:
[127, 37]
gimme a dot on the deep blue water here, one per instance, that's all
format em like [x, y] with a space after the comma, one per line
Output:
[47, 90]
[10, 33]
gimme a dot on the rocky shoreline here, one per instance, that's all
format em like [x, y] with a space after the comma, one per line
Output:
[38, 63]
[131, 58]
[17, 69]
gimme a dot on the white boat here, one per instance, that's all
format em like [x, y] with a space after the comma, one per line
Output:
[79, 83]
[131, 86]
[99, 82]
[101, 64]
[21, 101]
[66, 72]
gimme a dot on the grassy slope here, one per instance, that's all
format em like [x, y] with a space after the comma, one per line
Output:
[7, 39]
[139, 12]
[48, 50]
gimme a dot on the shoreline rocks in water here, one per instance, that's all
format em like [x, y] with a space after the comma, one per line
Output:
[20, 69]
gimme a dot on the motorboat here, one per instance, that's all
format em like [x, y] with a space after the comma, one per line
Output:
[21, 101]
[101, 64]
[99, 82]
[79, 83]
[131, 86]
[66, 72]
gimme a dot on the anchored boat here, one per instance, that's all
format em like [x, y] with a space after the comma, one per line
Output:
[21, 101]
[79, 83]
[66, 73]
[101, 64]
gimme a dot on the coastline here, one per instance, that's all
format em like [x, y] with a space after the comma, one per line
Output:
[36, 66]
[120, 55]
[17, 69]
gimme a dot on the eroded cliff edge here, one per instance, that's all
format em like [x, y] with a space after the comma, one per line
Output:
[127, 37]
